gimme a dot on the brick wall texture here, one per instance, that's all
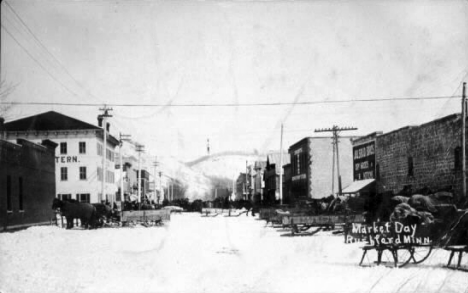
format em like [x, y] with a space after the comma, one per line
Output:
[432, 149]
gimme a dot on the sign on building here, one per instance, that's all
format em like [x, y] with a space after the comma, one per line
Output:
[364, 161]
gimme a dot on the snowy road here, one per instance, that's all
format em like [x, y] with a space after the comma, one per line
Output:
[196, 254]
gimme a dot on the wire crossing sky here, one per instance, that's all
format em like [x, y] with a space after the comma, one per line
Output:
[181, 72]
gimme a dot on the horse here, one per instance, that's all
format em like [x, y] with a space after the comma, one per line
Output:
[103, 213]
[76, 210]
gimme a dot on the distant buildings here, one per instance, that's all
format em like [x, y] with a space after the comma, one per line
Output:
[27, 183]
[272, 176]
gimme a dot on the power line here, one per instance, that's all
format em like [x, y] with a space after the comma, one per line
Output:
[41, 45]
[234, 104]
[40, 65]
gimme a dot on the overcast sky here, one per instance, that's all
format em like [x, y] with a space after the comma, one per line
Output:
[189, 52]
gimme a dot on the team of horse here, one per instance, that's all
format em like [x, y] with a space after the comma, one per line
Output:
[91, 216]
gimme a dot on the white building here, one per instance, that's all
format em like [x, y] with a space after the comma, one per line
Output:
[78, 157]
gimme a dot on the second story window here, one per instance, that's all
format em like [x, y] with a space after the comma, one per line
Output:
[63, 173]
[82, 173]
[82, 147]
[63, 148]
[99, 149]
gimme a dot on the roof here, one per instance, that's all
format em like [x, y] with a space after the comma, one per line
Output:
[48, 121]
[275, 158]
[356, 186]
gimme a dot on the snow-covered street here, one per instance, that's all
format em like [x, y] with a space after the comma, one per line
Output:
[204, 254]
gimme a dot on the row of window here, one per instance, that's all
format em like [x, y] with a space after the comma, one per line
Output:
[81, 147]
[83, 174]
[81, 197]
[82, 150]
[9, 194]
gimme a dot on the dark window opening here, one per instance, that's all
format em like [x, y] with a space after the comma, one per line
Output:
[410, 166]
[63, 148]
[21, 208]
[82, 173]
[82, 147]
[63, 173]
[377, 172]
[458, 158]
[9, 207]
[84, 197]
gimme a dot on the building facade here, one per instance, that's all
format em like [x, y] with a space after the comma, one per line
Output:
[271, 192]
[79, 155]
[27, 183]
[313, 174]
[414, 158]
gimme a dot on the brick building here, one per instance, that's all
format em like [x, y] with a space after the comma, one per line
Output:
[413, 158]
[27, 183]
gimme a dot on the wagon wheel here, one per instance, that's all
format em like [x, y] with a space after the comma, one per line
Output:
[420, 253]
[402, 256]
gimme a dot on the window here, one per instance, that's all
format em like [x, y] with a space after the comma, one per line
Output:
[64, 173]
[457, 158]
[63, 148]
[410, 166]
[99, 173]
[110, 155]
[377, 172]
[82, 147]
[99, 149]
[82, 173]
[21, 208]
[64, 196]
[9, 207]
[83, 197]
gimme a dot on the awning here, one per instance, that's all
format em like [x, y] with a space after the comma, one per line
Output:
[356, 186]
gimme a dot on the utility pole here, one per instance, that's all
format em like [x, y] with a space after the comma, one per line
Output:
[104, 148]
[464, 141]
[139, 149]
[333, 168]
[281, 168]
[160, 186]
[336, 130]
[122, 138]
[155, 165]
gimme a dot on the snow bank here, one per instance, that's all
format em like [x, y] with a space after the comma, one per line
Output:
[200, 254]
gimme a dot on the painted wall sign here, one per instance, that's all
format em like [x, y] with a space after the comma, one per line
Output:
[66, 159]
[364, 161]
[388, 233]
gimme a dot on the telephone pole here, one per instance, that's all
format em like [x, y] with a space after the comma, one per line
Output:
[139, 149]
[155, 165]
[281, 168]
[122, 138]
[463, 133]
[104, 117]
[336, 130]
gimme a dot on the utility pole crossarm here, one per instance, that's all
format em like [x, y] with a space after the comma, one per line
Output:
[336, 130]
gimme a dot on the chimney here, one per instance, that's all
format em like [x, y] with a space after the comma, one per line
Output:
[50, 145]
[107, 126]
[99, 119]
[2, 127]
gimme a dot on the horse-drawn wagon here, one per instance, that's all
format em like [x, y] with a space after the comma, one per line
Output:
[411, 235]
[102, 215]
